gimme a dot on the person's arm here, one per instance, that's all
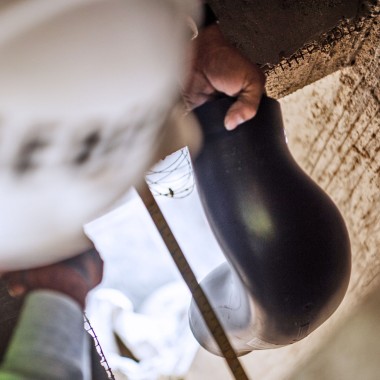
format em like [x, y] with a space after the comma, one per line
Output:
[218, 67]
[49, 341]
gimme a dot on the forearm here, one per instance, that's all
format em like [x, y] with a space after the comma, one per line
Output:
[49, 341]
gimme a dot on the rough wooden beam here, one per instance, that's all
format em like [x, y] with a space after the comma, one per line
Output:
[297, 41]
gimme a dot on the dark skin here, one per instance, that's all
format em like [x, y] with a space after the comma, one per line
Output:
[74, 277]
[218, 67]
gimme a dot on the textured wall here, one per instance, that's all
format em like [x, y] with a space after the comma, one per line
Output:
[333, 127]
[334, 131]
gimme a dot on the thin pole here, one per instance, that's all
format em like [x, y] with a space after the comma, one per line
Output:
[188, 275]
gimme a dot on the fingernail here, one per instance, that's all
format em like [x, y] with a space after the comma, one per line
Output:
[229, 125]
[232, 123]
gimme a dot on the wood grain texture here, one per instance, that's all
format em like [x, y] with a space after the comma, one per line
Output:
[297, 42]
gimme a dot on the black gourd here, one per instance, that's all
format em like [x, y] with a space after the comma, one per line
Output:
[286, 243]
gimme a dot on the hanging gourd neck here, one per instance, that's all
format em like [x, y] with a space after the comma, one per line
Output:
[266, 124]
[263, 135]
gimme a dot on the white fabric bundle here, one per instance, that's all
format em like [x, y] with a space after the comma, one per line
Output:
[85, 89]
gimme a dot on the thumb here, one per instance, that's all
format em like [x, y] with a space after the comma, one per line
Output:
[245, 108]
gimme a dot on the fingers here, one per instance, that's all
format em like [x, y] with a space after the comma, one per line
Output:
[220, 67]
[96, 267]
[247, 104]
[15, 282]
[89, 264]
[197, 90]
[242, 110]
[74, 277]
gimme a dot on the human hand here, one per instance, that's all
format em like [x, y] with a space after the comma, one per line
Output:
[74, 277]
[217, 66]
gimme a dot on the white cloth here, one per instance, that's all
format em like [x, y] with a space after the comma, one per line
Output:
[85, 87]
[157, 333]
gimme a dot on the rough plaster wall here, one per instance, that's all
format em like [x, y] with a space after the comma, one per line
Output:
[351, 352]
[333, 128]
